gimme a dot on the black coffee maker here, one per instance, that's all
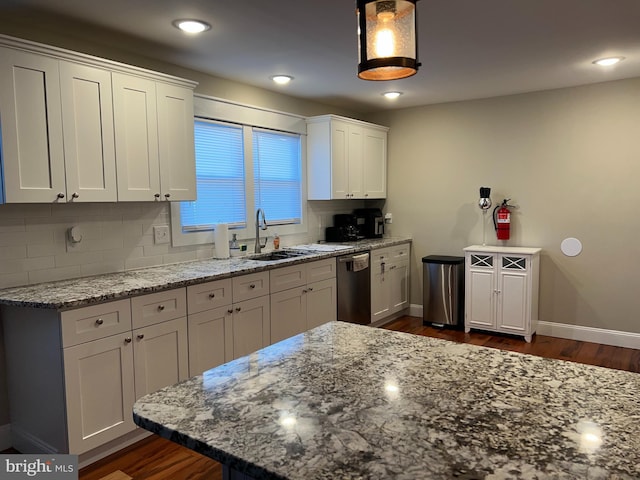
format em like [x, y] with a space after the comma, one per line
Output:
[345, 229]
[370, 222]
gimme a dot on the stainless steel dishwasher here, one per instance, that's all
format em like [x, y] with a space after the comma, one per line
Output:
[354, 288]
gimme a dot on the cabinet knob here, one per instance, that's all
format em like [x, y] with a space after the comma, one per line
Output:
[60, 195]
[127, 340]
[74, 195]
[99, 321]
[230, 311]
[141, 336]
[167, 195]
[366, 194]
[238, 309]
[252, 286]
[212, 295]
[157, 195]
[305, 290]
[161, 307]
[310, 289]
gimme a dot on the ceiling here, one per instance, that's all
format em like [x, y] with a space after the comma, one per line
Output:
[468, 48]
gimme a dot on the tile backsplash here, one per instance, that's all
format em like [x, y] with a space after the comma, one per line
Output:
[115, 237]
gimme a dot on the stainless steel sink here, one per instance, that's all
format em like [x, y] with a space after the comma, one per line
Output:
[277, 255]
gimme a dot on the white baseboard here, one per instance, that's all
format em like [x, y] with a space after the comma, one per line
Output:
[590, 334]
[5, 436]
[574, 332]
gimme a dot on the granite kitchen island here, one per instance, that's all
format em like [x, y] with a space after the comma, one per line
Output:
[346, 401]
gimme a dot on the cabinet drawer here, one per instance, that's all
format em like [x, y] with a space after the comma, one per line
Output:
[287, 277]
[321, 270]
[97, 321]
[249, 286]
[400, 252]
[208, 295]
[158, 307]
[382, 255]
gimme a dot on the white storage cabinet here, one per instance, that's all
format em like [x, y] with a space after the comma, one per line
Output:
[390, 273]
[303, 296]
[501, 289]
[346, 158]
[77, 128]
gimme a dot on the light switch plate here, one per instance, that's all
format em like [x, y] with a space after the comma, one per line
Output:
[160, 234]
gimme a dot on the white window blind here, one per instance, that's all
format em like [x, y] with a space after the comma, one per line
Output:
[220, 178]
[277, 176]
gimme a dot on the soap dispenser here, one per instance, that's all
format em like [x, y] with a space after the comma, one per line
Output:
[234, 247]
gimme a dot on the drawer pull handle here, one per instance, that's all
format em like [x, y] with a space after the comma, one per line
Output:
[230, 310]
[99, 321]
[252, 286]
[212, 295]
[161, 307]
[127, 340]
[141, 336]
[238, 309]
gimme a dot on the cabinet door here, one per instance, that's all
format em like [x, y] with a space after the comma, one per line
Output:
[99, 388]
[321, 303]
[380, 291]
[480, 299]
[512, 303]
[356, 161]
[210, 339]
[32, 144]
[399, 285]
[136, 134]
[176, 144]
[375, 163]
[288, 313]
[160, 355]
[251, 327]
[339, 159]
[87, 116]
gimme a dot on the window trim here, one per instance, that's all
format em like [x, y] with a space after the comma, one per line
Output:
[224, 111]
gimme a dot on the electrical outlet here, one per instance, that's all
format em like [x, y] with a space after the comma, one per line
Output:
[160, 234]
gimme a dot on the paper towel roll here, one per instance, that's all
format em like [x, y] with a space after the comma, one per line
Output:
[221, 240]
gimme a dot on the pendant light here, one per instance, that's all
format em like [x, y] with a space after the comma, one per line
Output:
[387, 44]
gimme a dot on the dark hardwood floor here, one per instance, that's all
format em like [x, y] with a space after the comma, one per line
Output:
[158, 459]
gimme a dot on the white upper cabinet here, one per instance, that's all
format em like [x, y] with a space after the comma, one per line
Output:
[346, 159]
[77, 128]
[134, 105]
[32, 144]
[87, 120]
[176, 143]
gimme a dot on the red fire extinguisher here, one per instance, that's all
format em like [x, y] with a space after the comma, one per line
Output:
[502, 220]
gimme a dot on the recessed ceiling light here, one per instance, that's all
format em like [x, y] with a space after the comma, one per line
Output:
[605, 62]
[191, 26]
[282, 79]
[391, 95]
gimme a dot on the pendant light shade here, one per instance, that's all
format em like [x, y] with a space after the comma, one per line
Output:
[387, 45]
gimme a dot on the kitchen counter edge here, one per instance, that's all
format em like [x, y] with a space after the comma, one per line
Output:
[83, 291]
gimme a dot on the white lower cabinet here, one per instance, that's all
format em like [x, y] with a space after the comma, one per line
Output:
[311, 301]
[227, 319]
[501, 289]
[390, 271]
[100, 391]
[91, 364]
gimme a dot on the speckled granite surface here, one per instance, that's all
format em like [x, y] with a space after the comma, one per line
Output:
[345, 401]
[88, 290]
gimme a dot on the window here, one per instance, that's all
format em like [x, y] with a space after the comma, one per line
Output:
[240, 168]
[220, 178]
[276, 176]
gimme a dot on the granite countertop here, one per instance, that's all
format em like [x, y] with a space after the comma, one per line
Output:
[345, 401]
[83, 291]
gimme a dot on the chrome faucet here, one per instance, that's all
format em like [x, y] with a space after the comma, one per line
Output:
[258, 248]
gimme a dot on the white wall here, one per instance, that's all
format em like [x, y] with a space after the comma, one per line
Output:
[569, 158]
